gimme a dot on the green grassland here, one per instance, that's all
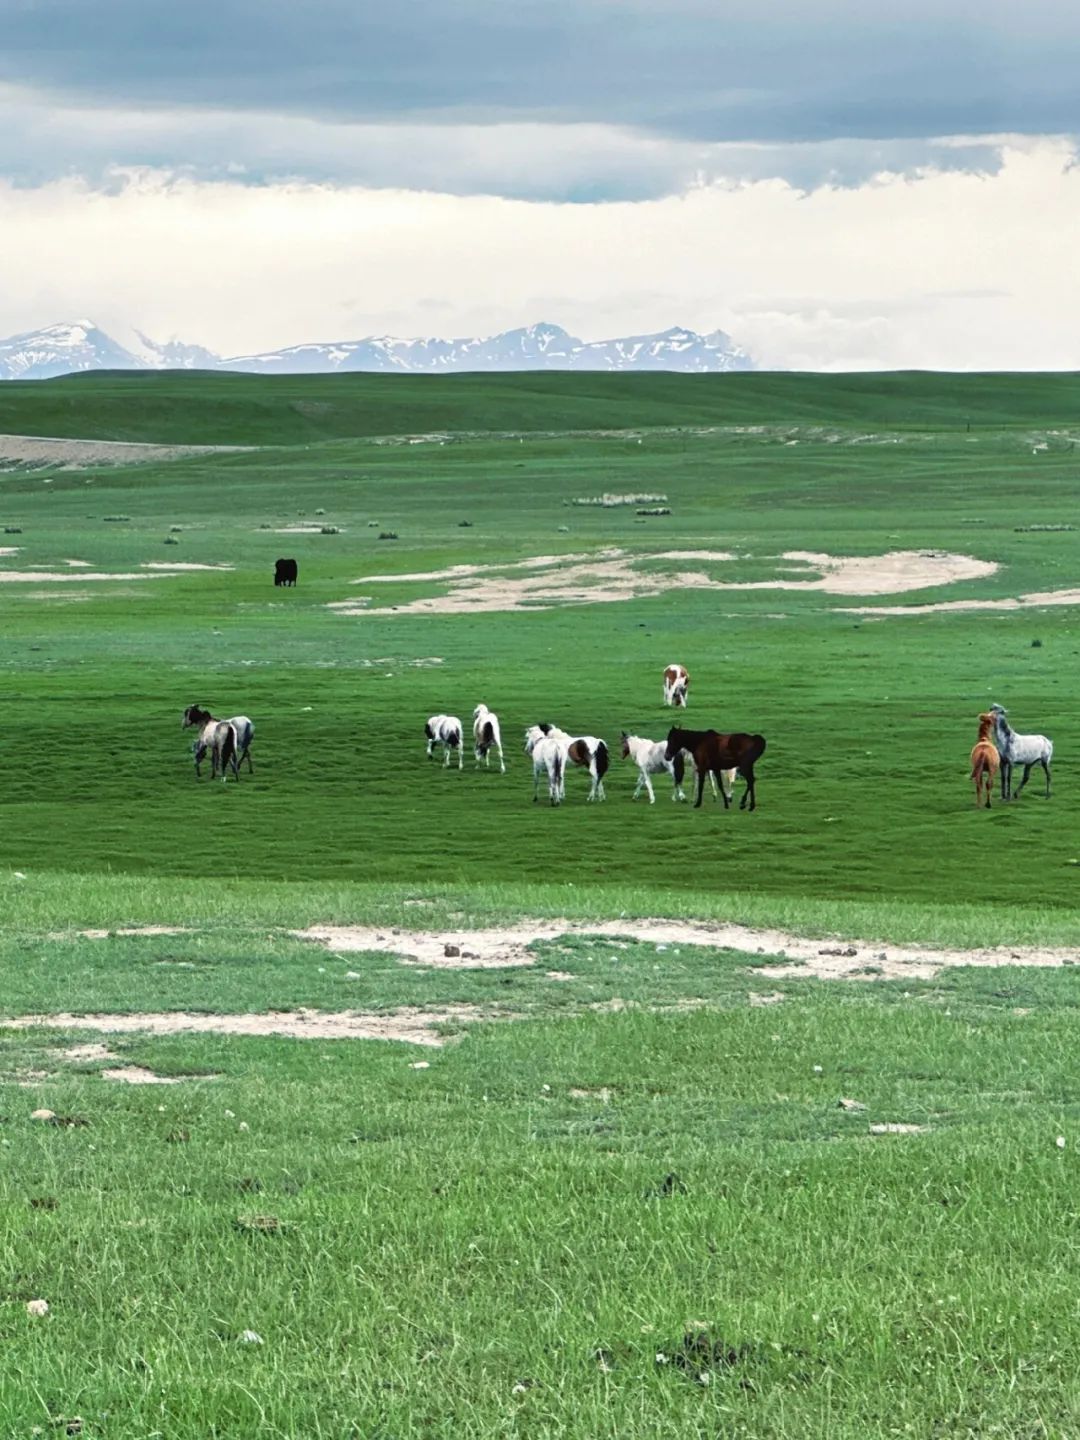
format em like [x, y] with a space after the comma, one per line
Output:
[471, 1249]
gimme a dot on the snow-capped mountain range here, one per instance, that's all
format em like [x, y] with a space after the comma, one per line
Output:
[82, 345]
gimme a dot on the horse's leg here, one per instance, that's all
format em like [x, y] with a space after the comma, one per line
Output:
[1024, 780]
[699, 776]
[1046, 767]
[536, 781]
[502, 761]
[725, 794]
[748, 793]
[460, 755]
[1006, 778]
[648, 787]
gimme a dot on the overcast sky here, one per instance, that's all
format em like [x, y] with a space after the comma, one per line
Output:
[837, 183]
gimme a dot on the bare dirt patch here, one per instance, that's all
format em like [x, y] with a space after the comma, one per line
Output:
[825, 959]
[1032, 600]
[410, 1024]
[612, 575]
[52, 577]
[123, 931]
[67, 454]
[179, 565]
[139, 1075]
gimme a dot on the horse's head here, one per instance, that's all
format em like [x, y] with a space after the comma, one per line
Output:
[678, 695]
[674, 743]
[625, 746]
[533, 735]
[478, 711]
[194, 715]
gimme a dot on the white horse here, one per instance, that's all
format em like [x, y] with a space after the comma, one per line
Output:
[219, 737]
[444, 730]
[650, 758]
[676, 685]
[245, 733]
[547, 754]
[487, 736]
[1014, 749]
[588, 751]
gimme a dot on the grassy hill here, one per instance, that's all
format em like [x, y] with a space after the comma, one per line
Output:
[212, 408]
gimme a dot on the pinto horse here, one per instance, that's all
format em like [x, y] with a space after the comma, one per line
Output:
[587, 751]
[712, 754]
[984, 760]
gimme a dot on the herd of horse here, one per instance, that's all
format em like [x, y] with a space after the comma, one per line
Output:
[552, 750]
[715, 757]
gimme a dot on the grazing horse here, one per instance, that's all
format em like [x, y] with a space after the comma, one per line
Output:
[217, 736]
[245, 733]
[487, 736]
[1014, 749]
[285, 572]
[676, 684]
[584, 750]
[984, 760]
[547, 754]
[444, 730]
[715, 753]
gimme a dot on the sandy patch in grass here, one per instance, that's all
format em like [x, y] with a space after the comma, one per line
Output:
[410, 1024]
[14, 550]
[611, 575]
[139, 1075]
[1017, 602]
[126, 930]
[51, 577]
[67, 454]
[180, 565]
[824, 959]
[300, 530]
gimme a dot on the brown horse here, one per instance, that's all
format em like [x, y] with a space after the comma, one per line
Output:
[713, 753]
[985, 760]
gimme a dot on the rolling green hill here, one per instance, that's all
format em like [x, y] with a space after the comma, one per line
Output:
[211, 408]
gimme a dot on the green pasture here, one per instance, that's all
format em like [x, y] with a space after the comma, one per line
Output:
[640, 1158]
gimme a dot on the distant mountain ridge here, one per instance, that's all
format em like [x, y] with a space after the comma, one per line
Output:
[81, 345]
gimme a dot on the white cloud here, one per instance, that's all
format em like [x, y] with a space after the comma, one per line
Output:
[939, 269]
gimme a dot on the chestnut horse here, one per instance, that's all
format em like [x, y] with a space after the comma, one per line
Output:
[985, 760]
[713, 753]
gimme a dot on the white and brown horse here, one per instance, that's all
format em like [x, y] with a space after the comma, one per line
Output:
[445, 730]
[546, 753]
[676, 685]
[220, 737]
[487, 736]
[588, 751]
[1014, 749]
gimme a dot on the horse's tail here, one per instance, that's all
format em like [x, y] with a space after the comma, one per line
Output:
[229, 751]
[755, 749]
[678, 767]
[601, 760]
[487, 739]
[557, 769]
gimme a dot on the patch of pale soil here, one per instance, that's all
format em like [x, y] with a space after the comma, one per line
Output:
[775, 997]
[51, 577]
[410, 1024]
[1034, 598]
[75, 564]
[180, 565]
[898, 1129]
[611, 575]
[139, 1075]
[833, 959]
[70, 454]
[95, 1051]
[603, 1094]
[297, 530]
[14, 550]
[124, 930]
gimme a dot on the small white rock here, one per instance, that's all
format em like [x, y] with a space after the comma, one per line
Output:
[250, 1337]
[43, 1115]
[420, 1065]
[37, 1307]
[243, 1125]
[1060, 1142]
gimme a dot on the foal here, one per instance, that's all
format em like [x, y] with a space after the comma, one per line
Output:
[487, 736]
[713, 753]
[984, 760]
[217, 736]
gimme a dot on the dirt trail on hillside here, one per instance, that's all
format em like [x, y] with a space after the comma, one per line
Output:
[66, 454]
[825, 959]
